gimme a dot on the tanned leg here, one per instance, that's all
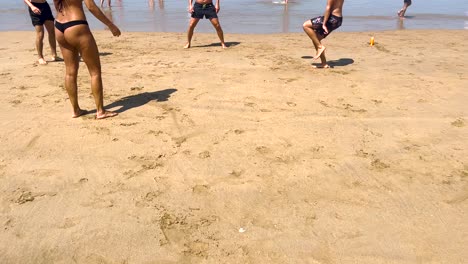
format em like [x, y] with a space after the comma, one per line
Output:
[316, 40]
[402, 11]
[192, 24]
[307, 26]
[39, 44]
[90, 54]
[219, 31]
[49, 25]
[71, 58]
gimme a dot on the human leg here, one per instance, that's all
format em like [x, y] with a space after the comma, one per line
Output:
[219, 30]
[39, 44]
[90, 54]
[71, 58]
[192, 24]
[49, 25]
[406, 4]
[319, 47]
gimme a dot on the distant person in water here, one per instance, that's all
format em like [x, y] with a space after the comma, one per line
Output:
[406, 4]
[204, 8]
[41, 16]
[320, 27]
[75, 39]
[108, 3]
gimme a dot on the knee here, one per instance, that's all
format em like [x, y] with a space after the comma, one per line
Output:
[95, 73]
[306, 25]
[218, 27]
[71, 72]
[192, 25]
[40, 35]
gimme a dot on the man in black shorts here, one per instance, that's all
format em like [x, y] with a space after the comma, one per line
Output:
[204, 8]
[41, 16]
[406, 4]
[320, 27]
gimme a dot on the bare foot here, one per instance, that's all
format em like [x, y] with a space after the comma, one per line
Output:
[320, 50]
[187, 46]
[41, 61]
[79, 113]
[321, 66]
[105, 114]
[400, 13]
[223, 46]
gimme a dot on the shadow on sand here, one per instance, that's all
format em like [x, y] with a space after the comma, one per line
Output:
[137, 100]
[333, 63]
[218, 44]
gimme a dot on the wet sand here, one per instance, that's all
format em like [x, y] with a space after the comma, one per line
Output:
[244, 155]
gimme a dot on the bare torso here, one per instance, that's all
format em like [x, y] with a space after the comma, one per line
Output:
[336, 7]
[203, 2]
[71, 10]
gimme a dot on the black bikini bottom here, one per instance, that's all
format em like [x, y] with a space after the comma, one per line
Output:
[63, 26]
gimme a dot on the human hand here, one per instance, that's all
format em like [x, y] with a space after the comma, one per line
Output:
[36, 10]
[217, 9]
[115, 30]
[190, 9]
[325, 28]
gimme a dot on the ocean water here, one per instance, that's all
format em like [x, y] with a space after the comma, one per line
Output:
[261, 16]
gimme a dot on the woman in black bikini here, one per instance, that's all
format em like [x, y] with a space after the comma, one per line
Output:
[75, 38]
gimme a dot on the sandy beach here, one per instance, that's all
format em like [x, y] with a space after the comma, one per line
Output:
[244, 155]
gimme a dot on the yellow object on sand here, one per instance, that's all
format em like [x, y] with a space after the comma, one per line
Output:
[371, 41]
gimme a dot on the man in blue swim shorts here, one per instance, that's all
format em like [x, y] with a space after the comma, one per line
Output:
[320, 27]
[204, 9]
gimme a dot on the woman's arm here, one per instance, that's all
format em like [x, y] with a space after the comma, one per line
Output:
[94, 9]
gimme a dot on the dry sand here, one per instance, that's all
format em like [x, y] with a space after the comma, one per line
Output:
[244, 155]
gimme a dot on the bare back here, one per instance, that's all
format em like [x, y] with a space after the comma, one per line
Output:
[71, 10]
[336, 7]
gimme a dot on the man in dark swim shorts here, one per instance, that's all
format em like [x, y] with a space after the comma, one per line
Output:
[41, 15]
[204, 9]
[320, 27]
[406, 4]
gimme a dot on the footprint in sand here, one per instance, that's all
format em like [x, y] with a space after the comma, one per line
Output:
[263, 150]
[239, 131]
[201, 189]
[204, 155]
[377, 164]
[15, 102]
[458, 123]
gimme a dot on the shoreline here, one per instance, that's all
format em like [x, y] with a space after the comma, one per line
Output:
[241, 155]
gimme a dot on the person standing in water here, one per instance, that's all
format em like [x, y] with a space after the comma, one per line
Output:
[320, 27]
[406, 4]
[41, 16]
[204, 8]
[75, 39]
